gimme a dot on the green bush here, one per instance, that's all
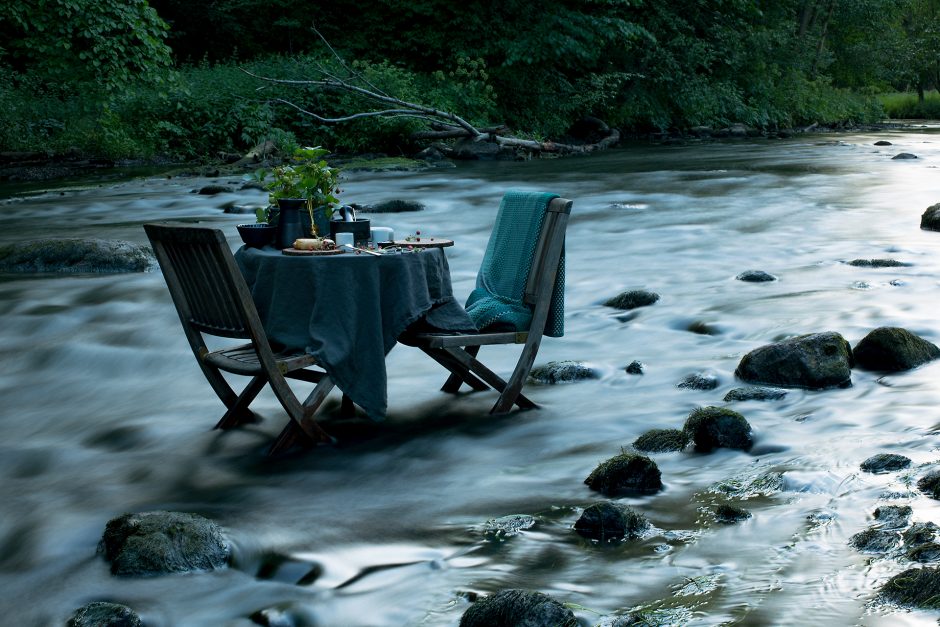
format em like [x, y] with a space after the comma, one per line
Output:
[907, 106]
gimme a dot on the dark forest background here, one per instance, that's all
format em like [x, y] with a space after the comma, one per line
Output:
[135, 79]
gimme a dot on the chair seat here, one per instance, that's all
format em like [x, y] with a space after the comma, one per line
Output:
[453, 340]
[243, 360]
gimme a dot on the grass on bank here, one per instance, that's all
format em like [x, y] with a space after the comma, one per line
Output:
[907, 106]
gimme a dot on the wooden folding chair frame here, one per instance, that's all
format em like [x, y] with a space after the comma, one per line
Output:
[212, 298]
[458, 352]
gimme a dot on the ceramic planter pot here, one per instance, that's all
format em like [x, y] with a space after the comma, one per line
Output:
[359, 228]
[294, 221]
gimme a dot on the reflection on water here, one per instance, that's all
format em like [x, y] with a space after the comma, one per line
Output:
[105, 410]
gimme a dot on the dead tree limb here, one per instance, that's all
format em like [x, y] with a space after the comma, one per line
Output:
[441, 124]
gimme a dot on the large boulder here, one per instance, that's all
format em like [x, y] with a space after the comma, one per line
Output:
[610, 521]
[626, 474]
[930, 220]
[815, 361]
[518, 608]
[718, 427]
[893, 349]
[75, 256]
[159, 543]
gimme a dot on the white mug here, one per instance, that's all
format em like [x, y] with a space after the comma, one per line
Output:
[380, 234]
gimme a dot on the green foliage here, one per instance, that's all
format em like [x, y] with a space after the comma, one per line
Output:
[907, 106]
[306, 176]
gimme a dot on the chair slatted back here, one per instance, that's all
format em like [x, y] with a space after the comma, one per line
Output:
[547, 253]
[207, 288]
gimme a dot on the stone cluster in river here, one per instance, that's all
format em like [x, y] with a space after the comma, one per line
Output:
[75, 256]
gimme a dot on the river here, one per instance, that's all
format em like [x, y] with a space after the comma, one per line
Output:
[104, 410]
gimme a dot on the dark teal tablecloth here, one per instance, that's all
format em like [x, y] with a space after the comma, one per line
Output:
[348, 310]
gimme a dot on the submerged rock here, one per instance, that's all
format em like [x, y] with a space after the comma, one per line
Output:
[929, 484]
[755, 393]
[392, 206]
[929, 552]
[755, 276]
[893, 349]
[730, 514]
[626, 473]
[212, 190]
[563, 372]
[885, 462]
[634, 367]
[158, 543]
[893, 516]
[904, 155]
[878, 263]
[718, 427]
[815, 361]
[875, 540]
[662, 441]
[76, 255]
[915, 587]
[506, 526]
[930, 220]
[518, 608]
[610, 521]
[632, 299]
[698, 381]
[883, 142]
[104, 614]
[921, 533]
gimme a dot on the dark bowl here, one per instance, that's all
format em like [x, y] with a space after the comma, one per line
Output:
[256, 235]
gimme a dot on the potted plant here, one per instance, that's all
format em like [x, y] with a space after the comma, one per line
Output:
[304, 191]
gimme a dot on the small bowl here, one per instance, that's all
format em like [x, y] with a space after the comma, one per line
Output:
[256, 235]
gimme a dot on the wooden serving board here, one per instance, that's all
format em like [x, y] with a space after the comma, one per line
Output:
[310, 253]
[421, 242]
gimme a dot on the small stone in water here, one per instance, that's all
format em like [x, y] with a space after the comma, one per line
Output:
[626, 473]
[885, 462]
[729, 514]
[893, 516]
[104, 614]
[661, 441]
[929, 552]
[698, 381]
[921, 533]
[915, 587]
[875, 540]
[506, 526]
[632, 299]
[755, 393]
[610, 521]
[634, 367]
[718, 427]
[566, 371]
[929, 484]
[755, 276]
[512, 608]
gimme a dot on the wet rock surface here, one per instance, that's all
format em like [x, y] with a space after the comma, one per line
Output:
[632, 299]
[610, 521]
[662, 441]
[885, 462]
[904, 155]
[634, 367]
[893, 349]
[718, 427]
[104, 614]
[814, 361]
[730, 514]
[566, 371]
[930, 219]
[929, 484]
[878, 263]
[893, 516]
[518, 608]
[756, 276]
[506, 526]
[626, 474]
[391, 206]
[159, 543]
[698, 381]
[876, 540]
[915, 587]
[76, 256]
[755, 393]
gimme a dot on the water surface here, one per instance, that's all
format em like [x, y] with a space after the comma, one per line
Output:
[106, 412]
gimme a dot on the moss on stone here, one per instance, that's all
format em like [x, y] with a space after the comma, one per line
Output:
[661, 441]
[626, 473]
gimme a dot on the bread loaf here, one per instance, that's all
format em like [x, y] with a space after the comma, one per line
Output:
[314, 243]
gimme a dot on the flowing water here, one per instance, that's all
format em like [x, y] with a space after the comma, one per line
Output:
[105, 411]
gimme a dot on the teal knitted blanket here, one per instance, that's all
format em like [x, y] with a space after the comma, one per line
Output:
[496, 303]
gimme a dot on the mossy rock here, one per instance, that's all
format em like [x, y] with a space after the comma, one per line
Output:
[159, 543]
[662, 441]
[893, 349]
[921, 533]
[718, 427]
[755, 276]
[885, 462]
[698, 381]
[610, 521]
[893, 516]
[929, 552]
[815, 361]
[875, 540]
[929, 484]
[75, 256]
[755, 393]
[632, 299]
[626, 474]
[565, 371]
[104, 614]
[915, 587]
[518, 608]
[634, 367]
[730, 514]
[930, 220]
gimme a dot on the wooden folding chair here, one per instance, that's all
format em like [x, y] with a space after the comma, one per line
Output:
[212, 298]
[458, 352]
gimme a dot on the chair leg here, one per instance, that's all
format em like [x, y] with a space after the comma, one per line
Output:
[459, 371]
[514, 387]
[347, 409]
[491, 378]
[238, 412]
[452, 385]
[301, 425]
